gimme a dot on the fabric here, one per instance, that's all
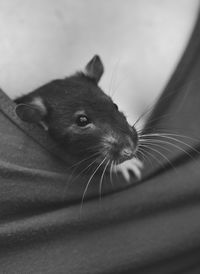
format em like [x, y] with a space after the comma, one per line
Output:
[152, 226]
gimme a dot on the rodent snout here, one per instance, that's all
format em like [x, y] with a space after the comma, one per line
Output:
[117, 149]
[120, 152]
[127, 153]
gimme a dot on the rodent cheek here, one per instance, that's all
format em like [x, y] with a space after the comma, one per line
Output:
[81, 141]
[118, 148]
[110, 146]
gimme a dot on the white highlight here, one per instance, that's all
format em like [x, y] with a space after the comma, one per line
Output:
[37, 101]
[110, 139]
[133, 165]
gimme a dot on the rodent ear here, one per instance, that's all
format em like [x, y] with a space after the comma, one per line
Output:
[94, 69]
[30, 113]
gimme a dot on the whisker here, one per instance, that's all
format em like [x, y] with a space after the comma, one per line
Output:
[85, 169]
[149, 109]
[71, 178]
[153, 156]
[155, 150]
[157, 119]
[111, 170]
[101, 180]
[113, 76]
[142, 115]
[142, 152]
[90, 179]
[115, 168]
[174, 139]
[152, 142]
[76, 165]
[160, 98]
[83, 160]
[168, 143]
[171, 134]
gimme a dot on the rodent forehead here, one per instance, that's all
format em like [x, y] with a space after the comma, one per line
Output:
[96, 110]
[85, 98]
[88, 102]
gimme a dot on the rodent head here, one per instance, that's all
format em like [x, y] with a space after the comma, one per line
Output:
[81, 117]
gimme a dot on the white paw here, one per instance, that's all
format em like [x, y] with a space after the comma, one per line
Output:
[133, 165]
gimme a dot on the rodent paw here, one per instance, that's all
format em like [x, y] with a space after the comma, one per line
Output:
[133, 165]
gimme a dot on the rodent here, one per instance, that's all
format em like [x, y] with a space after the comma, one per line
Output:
[83, 120]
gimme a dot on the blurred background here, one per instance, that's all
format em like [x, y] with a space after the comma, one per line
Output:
[139, 41]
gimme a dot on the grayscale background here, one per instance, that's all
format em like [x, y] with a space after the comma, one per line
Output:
[140, 42]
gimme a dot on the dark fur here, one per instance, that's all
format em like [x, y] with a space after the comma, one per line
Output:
[62, 98]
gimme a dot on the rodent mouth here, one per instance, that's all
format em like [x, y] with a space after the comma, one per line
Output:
[118, 150]
[119, 154]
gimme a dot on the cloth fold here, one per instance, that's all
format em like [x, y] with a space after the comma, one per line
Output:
[150, 226]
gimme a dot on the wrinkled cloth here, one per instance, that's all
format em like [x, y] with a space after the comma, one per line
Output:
[151, 226]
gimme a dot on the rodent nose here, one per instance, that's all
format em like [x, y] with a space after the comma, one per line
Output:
[127, 153]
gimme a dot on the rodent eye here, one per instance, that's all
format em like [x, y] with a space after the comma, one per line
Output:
[116, 106]
[82, 120]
